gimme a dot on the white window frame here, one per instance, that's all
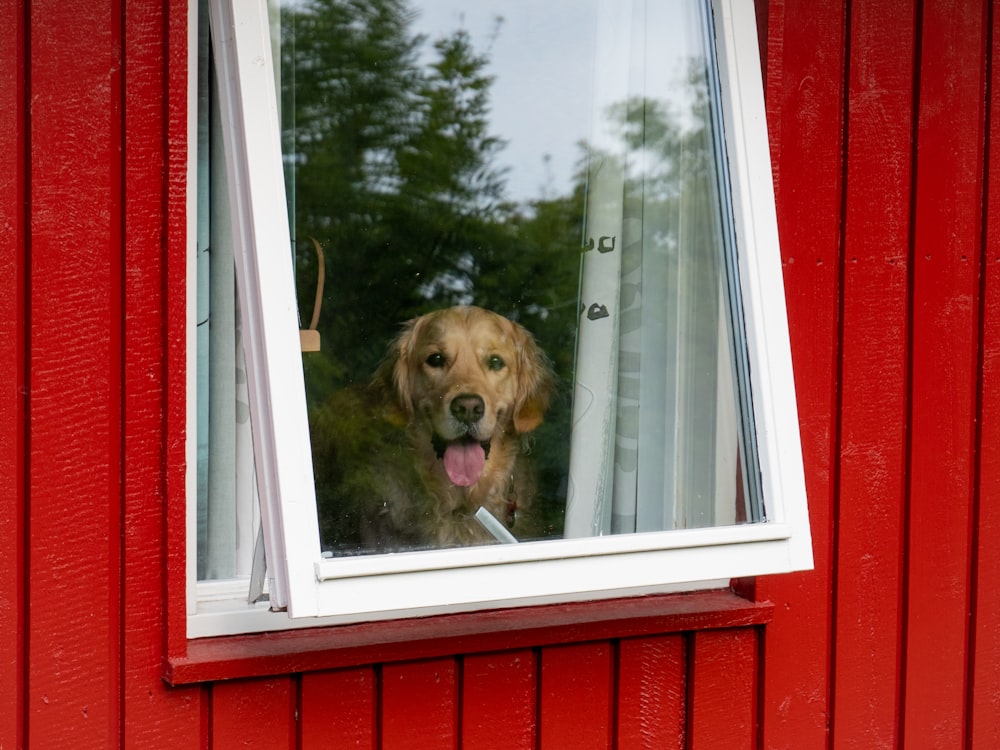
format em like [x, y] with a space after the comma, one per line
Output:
[317, 591]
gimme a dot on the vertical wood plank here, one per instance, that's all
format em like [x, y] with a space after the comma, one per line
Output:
[652, 686]
[576, 701]
[175, 328]
[12, 385]
[154, 715]
[723, 690]
[984, 702]
[804, 97]
[74, 411]
[420, 705]
[874, 397]
[253, 713]
[944, 361]
[499, 700]
[339, 709]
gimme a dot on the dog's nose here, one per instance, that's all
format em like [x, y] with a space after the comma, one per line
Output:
[467, 408]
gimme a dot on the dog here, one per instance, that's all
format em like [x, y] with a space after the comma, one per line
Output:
[442, 429]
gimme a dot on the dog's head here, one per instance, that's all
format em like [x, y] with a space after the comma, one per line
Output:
[468, 377]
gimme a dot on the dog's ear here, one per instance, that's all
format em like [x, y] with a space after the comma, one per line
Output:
[392, 378]
[535, 382]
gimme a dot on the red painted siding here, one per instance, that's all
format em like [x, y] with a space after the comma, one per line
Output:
[723, 690]
[155, 52]
[883, 119]
[576, 699]
[253, 713]
[875, 297]
[497, 689]
[74, 369]
[339, 709]
[900, 375]
[806, 55]
[984, 645]
[652, 692]
[13, 290]
[945, 308]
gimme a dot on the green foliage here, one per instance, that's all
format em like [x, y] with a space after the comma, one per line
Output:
[395, 175]
[393, 170]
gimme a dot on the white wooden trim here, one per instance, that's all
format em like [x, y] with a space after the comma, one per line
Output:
[251, 137]
[385, 586]
[573, 578]
[772, 381]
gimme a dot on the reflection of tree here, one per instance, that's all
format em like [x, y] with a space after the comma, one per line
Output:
[395, 174]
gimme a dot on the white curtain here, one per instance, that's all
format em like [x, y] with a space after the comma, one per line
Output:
[228, 510]
[655, 434]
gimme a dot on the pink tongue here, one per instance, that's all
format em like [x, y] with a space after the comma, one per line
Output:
[464, 462]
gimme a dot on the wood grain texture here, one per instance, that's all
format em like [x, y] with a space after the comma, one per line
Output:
[577, 690]
[652, 687]
[153, 714]
[984, 683]
[174, 330]
[893, 289]
[806, 58]
[873, 400]
[13, 280]
[723, 691]
[74, 624]
[340, 709]
[945, 307]
[420, 705]
[499, 700]
[253, 713]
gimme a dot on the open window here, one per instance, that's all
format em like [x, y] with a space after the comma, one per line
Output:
[598, 175]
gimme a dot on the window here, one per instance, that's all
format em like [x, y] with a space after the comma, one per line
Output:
[598, 174]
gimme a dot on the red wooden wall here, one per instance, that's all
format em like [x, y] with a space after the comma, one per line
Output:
[883, 126]
[884, 119]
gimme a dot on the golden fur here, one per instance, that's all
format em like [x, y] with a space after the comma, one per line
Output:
[443, 432]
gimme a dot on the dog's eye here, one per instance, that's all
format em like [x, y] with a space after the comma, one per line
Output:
[436, 360]
[495, 363]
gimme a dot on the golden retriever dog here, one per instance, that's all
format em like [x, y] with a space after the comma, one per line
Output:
[442, 431]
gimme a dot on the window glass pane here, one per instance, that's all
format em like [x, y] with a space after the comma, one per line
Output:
[559, 163]
[228, 510]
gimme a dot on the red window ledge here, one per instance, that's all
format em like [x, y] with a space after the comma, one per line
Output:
[290, 652]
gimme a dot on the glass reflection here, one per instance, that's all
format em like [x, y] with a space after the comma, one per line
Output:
[544, 161]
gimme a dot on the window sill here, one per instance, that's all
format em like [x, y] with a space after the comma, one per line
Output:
[288, 652]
